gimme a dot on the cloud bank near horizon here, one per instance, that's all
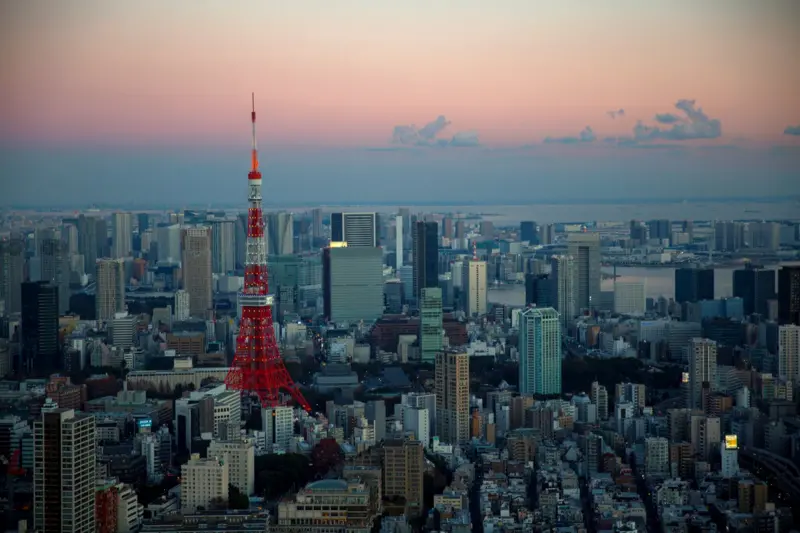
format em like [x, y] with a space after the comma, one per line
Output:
[429, 135]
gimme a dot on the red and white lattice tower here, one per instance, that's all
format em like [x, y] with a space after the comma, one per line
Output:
[258, 368]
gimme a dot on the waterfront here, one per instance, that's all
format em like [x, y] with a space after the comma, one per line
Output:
[658, 282]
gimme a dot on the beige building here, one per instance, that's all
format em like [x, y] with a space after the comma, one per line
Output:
[64, 465]
[196, 266]
[330, 505]
[240, 457]
[476, 288]
[702, 369]
[452, 397]
[110, 291]
[204, 483]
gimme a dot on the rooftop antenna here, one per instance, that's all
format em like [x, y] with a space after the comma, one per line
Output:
[474, 250]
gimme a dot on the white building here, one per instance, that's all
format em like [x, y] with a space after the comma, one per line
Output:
[181, 305]
[240, 458]
[417, 420]
[278, 426]
[629, 297]
[121, 235]
[656, 456]
[729, 453]
[203, 481]
[129, 511]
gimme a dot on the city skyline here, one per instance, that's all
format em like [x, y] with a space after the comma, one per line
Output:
[533, 96]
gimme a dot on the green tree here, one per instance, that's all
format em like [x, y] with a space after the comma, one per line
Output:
[237, 499]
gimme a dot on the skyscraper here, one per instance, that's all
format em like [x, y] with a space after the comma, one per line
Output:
[540, 351]
[55, 268]
[110, 292]
[660, 229]
[121, 235]
[789, 295]
[629, 297]
[356, 229]
[702, 369]
[452, 397]
[539, 290]
[430, 334]
[223, 245]
[87, 239]
[755, 287]
[40, 351]
[585, 249]
[280, 233]
[562, 273]
[789, 352]
[12, 271]
[425, 241]
[64, 472]
[527, 232]
[476, 287]
[398, 241]
[197, 269]
[693, 284]
[352, 283]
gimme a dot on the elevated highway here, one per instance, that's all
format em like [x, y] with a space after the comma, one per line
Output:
[784, 473]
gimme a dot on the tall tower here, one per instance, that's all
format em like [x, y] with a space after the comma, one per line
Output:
[258, 368]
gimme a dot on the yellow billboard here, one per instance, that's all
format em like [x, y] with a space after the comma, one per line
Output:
[731, 442]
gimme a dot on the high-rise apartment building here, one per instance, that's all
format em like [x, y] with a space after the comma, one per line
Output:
[279, 233]
[599, 397]
[182, 305]
[12, 272]
[789, 352]
[352, 283]
[398, 241]
[660, 229]
[693, 284]
[203, 482]
[417, 421]
[629, 297]
[789, 294]
[477, 287]
[121, 235]
[356, 229]
[239, 455]
[197, 269]
[40, 351]
[563, 277]
[223, 245]
[728, 236]
[585, 250]
[656, 456]
[702, 369]
[278, 426]
[452, 397]
[64, 460]
[110, 291]
[88, 239]
[425, 243]
[168, 237]
[540, 351]
[430, 324]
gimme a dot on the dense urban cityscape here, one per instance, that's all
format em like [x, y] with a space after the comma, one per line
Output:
[206, 370]
[452, 267]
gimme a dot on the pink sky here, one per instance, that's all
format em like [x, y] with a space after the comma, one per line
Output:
[346, 72]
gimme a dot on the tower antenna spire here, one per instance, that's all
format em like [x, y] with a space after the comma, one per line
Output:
[474, 250]
[258, 368]
[254, 156]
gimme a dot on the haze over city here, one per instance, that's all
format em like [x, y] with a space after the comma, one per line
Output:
[363, 102]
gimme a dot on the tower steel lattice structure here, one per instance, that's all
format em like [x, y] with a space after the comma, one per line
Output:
[258, 368]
